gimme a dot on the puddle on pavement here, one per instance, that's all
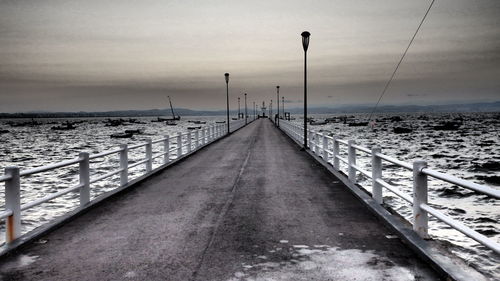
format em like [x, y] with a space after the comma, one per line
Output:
[322, 262]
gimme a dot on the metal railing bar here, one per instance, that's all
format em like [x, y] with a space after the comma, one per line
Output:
[463, 183]
[364, 172]
[158, 155]
[342, 141]
[341, 159]
[462, 228]
[105, 153]
[138, 163]
[49, 197]
[364, 149]
[394, 190]
[5, 178]
[137, 145]
[49, 167]
[110, 174]
[5, 214]
[395, 161]
[160, 140]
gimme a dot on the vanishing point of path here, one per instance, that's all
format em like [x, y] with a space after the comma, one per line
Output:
[248, 207]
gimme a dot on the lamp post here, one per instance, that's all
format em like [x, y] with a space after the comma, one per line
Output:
[271, 110]
[283, 103]
[246, 115]
[239, 108]
[227, 99]
[254, 117]
[305, 44]
[278, 105]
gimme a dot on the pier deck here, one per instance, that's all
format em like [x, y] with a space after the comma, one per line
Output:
[248, 206]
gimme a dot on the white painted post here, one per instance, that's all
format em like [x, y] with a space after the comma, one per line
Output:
[336, 161]
[325, 147]
[166, 150]
[124, 164]
[196, 139]
[13, 203]
[84, 175]
[203, 131]
[376, 174]
[351, 159]
[189, 142]
[179, 146]
[420, 217]
[149, 155]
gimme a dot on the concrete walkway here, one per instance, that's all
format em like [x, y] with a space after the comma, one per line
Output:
[248, 207]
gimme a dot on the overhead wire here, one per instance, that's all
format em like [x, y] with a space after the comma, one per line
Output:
[400, 61]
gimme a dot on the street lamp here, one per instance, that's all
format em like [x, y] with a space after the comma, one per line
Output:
[305, 44]
[254, 111]
[283, 103]
[246, 115]
[278, 104]
[227, 99]
[238, 108]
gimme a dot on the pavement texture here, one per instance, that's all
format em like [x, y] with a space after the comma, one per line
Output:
[251, 206]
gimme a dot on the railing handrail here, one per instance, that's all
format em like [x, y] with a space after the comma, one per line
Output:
[13, 207]
[417, 203]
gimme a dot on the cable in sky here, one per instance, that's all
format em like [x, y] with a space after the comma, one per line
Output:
[400, 61]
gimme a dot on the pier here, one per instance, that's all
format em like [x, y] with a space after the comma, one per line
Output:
[250, 204]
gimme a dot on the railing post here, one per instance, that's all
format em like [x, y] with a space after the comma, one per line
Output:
[351, 160]
[189, 142]
[336, 161]
[376, 174]
[166, 150]
[179, 146]
[124, 164]
[149, 155]
[325, 148]
[203, 131]
[84, 178]
[196, 139]
[13, 203]
[420, 218]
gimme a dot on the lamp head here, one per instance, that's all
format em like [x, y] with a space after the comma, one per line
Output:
[227, 77]
[305, 40]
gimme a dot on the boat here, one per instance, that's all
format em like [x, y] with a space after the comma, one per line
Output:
[121, 135]
[136, 131]
[65, 127]
[170, 123]
[194, 128]
[234, 118]
[197, 122]
[402, 130]
[4, 131]
[314, 123]
[220, 122]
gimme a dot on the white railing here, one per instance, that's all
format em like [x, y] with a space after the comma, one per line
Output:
[173, 148]
[328, 148]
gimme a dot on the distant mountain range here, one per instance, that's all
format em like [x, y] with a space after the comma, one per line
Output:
[472, 107]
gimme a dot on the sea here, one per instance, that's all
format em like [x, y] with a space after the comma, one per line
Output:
[470, 152]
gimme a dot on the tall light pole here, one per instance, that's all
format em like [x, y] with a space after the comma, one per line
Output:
[254, 117]
[271, 110]
[305, 44]
[283, 103]
[227, 99]
[278, 104]
[239, 108]
[246, 115]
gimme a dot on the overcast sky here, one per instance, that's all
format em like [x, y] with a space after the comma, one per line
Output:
[96, 55]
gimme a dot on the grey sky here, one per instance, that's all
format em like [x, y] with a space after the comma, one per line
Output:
[106, 55]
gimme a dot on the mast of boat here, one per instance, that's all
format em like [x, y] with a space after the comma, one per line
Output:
[171, 108]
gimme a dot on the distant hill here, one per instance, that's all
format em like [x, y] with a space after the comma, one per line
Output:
[472, 107]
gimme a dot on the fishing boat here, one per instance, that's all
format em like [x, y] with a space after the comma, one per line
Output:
[314, 123]
[220, 122]
[122, 135]
[65, 127]
[170, 123]
[194, 128]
